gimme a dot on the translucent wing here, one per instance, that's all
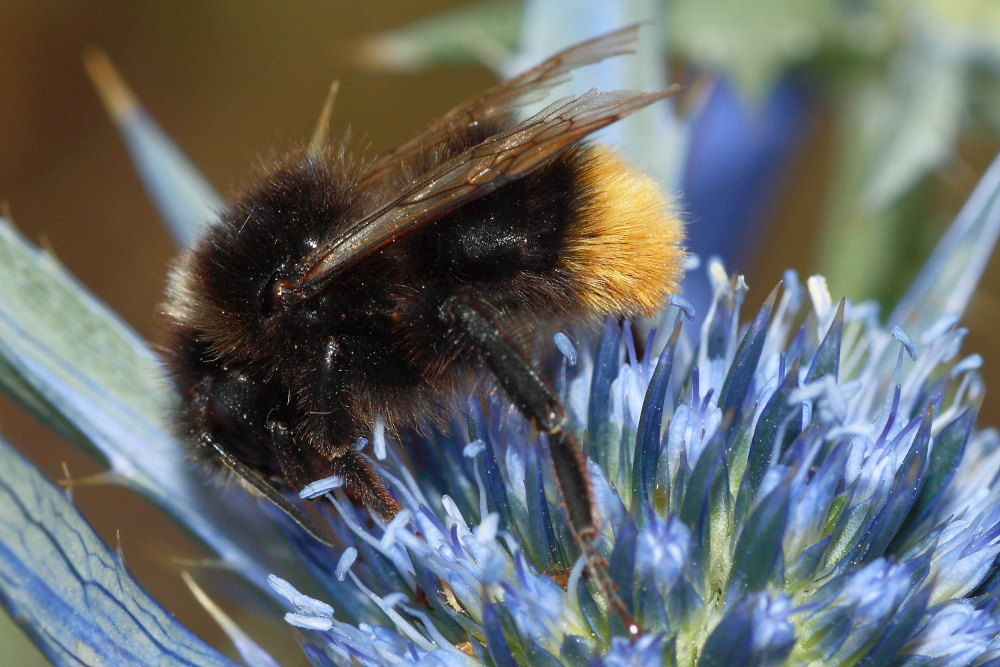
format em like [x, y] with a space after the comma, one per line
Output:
[473, 173]
[526, 88]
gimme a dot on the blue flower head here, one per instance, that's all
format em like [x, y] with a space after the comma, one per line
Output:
[805, 485]
[791, 502]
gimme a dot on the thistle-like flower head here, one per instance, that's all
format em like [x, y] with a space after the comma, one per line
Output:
[785, 489]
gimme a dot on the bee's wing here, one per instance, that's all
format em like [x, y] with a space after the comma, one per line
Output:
[526, 88]
[475, 172]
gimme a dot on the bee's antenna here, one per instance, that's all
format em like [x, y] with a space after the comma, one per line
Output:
[321, 133]
[261, 485]
[539, 404]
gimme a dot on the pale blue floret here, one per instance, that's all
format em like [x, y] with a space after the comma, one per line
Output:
[566, 347]
[321, 487]
[310, 614]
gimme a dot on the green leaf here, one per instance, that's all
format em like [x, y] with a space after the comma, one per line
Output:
[467, 34]
[970, 27]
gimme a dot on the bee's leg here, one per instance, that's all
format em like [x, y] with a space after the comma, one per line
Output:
[363, 485]
[540, 405]
[360, 481]
[261, 485]
[250, 477]
[288, 453]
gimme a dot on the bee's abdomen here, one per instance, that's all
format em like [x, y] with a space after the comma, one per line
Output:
[585, 235]
[622, 250]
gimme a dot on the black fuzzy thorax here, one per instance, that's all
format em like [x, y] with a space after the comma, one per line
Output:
[372, 341]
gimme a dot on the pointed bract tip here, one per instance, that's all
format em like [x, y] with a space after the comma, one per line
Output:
[221, 618]
[319, 137]
[203, 599]
[382, 51]
[110, 85]
[772, 298]
[102, 478]
[251, 653]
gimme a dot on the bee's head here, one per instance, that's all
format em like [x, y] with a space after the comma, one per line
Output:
[233, 286]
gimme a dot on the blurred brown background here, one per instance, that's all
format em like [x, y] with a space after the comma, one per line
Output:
[230, 82]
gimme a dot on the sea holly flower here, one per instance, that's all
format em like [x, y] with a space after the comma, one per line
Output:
[803, 484]
[793, 494]
[805, 487]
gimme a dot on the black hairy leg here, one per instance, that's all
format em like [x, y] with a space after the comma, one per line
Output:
[540, 405]
[360, 481]
[362, 484]
[251, 476]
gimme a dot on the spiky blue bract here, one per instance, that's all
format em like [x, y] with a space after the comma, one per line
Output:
[809, 493]
[70, 593]
[68, 359]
